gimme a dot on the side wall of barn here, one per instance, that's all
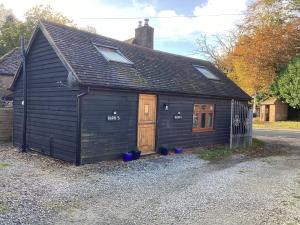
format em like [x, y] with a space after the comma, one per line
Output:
[52, 108]
[103, 139]
[178, 133]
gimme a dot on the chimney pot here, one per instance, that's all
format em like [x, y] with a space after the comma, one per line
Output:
[146, 22]
[140, 23]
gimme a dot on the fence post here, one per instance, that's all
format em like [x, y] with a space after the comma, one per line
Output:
[250, 125]
[231, 116]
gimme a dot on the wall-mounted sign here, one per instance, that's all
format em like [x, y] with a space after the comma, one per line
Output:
[114, 117]
[178, 116]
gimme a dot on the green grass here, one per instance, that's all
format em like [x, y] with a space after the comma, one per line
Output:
[3, 165]
[219, 152]
[277, 124]
[63, 206]
[297, 196]
[3, 208]
[269, 161]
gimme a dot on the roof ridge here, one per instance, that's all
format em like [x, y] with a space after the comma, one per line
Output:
[122, 42]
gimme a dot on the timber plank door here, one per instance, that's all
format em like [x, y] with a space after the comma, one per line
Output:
[146, 123]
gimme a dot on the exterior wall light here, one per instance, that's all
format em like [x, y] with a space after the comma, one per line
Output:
[166, 107]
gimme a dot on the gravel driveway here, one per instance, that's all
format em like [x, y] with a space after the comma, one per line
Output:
[175, 189]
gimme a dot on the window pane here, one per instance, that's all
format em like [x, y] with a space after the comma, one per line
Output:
[146, 110]
[203, 120]
[195, 120]
[112, 54]
[210, 120]
[208, 74]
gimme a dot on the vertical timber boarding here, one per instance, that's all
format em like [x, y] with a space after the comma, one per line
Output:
[6, 113]
[240, 125]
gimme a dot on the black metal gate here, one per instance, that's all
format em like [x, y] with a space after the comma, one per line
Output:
[241, 124]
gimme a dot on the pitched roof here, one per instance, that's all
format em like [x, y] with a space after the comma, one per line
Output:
[269, 101]
[10, 62]
[152, 70]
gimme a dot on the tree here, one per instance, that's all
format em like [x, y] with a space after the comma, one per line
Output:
[259, 56]
[12, 29]
[3, 14]
[270, 13]
[41, 12]
[287, 85]
[266, 40]
[217, 47]
[10, 34]
[89, 29]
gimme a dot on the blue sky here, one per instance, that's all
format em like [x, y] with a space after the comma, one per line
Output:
[176, 35]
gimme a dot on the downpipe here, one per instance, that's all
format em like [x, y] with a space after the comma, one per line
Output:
[78, 129]
[24, 146]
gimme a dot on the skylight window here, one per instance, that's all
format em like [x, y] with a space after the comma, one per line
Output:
[208, 74]
[112, 54]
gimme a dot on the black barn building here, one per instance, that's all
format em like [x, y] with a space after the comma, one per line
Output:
[91, 98]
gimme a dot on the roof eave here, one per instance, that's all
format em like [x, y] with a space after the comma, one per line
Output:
[94, 86]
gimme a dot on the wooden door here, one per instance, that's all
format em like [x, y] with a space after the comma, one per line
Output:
[267, 113]
[146, 123]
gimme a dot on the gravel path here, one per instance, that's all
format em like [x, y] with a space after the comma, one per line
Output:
[175, 189]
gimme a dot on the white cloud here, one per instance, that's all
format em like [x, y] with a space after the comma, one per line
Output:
[216, 16]
[165, 29]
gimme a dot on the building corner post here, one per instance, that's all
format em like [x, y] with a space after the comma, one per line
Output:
[24, 132]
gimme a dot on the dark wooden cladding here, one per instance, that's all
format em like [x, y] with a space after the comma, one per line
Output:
[52, 109]
[102, 139]
[178, 133]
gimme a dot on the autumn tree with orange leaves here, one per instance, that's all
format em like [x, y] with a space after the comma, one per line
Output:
[264, 43]
[258, 57]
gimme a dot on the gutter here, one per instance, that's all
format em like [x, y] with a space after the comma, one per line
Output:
[180, 94]
[24, 132]
[78, 128]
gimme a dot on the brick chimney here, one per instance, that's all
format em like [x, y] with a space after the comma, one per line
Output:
[144, 34]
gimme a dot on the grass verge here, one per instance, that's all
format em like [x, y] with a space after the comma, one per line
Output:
[63, 205]
[219, 152]
[3, 165]
[3, 208]
[277, 124]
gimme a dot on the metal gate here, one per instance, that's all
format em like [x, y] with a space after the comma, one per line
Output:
[241, 124]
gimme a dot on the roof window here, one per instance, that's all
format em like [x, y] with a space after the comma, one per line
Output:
[208, 74]
[112, 54]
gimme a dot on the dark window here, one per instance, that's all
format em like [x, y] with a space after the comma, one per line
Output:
[203, 117]
[203, 120]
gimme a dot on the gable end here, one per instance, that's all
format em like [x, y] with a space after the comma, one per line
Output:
[40, 28]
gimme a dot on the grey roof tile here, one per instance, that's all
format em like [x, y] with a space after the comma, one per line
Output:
[10, 62]
[151, 70]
